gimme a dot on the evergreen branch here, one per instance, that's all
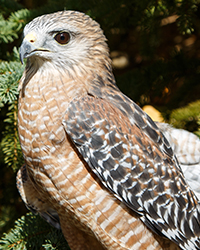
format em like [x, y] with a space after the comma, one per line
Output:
[10, 143]
[10, 74]
[32, 232]
[10, 28]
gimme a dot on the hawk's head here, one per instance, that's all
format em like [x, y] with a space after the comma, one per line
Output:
[65, 38]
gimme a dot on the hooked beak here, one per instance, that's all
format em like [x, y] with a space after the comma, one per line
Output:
[28, 47]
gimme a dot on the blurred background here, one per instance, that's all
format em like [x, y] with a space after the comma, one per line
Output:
[155, 50]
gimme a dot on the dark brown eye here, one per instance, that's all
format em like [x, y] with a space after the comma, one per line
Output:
[62, 38]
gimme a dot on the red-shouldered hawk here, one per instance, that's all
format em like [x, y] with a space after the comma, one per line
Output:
[92, 156]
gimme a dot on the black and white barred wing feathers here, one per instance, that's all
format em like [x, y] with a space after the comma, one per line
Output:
[138, 170]
[186, 147]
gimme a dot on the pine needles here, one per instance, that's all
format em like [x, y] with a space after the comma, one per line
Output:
[31, 232]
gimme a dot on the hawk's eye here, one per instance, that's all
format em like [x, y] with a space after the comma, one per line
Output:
[62, 38]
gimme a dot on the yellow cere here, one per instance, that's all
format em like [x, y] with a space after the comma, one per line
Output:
[31, 37]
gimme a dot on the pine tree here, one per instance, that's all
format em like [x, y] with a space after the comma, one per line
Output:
[155, 51]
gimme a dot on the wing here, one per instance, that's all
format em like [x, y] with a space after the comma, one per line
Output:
[134, 161]
[186, 147]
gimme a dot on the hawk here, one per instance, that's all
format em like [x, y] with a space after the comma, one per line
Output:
[95, 163]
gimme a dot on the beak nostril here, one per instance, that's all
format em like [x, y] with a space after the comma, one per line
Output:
[31, 37]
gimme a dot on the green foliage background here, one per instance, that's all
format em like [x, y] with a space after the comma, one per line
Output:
[159, 42]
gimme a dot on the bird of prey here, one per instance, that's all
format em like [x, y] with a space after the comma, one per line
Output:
[95, 163]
